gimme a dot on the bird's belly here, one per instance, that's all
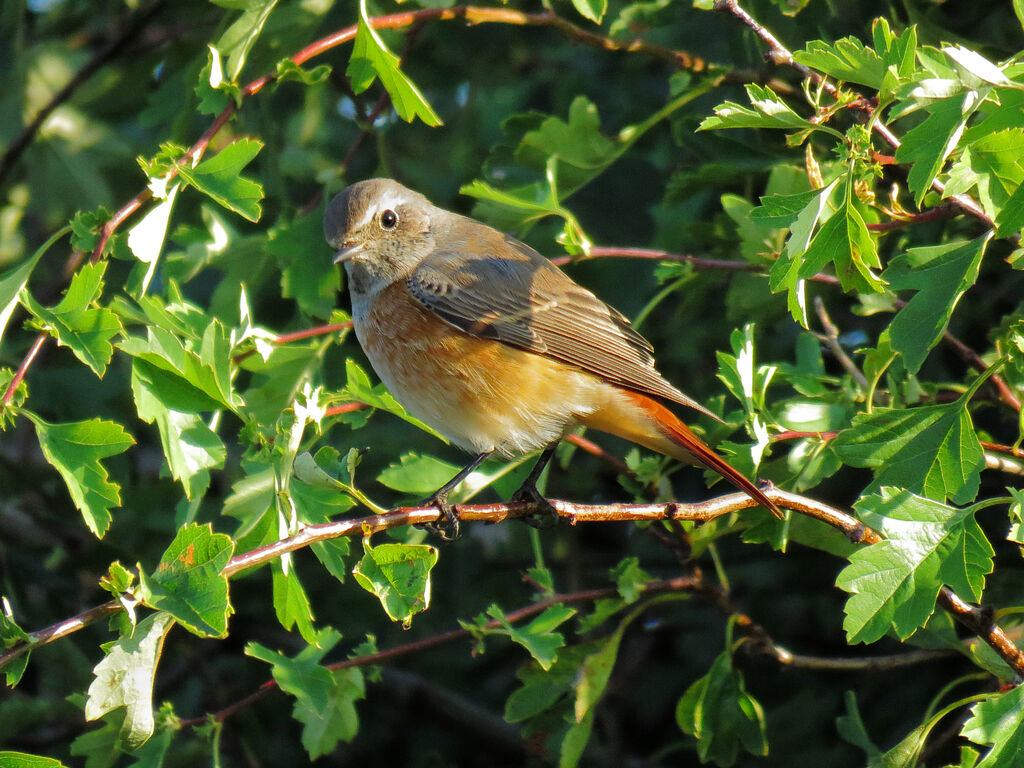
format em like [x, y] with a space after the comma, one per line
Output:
[479, 393]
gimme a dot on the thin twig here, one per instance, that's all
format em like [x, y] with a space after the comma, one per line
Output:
[831, 340]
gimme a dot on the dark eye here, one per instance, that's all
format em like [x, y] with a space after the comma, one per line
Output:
[388, 219]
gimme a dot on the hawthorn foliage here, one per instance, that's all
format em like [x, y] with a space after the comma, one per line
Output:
[822, 241]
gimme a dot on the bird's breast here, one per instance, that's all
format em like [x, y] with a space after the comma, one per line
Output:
[481, 394]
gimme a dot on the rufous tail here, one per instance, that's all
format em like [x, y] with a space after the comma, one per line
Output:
[647, 422]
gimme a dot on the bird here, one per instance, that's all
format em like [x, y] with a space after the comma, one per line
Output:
[492, 345]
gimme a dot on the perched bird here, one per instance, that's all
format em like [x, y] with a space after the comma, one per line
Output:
[488, 342]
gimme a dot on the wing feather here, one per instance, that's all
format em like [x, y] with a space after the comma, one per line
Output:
[514, 295]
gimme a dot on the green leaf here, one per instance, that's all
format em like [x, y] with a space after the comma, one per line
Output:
[75, 450]
[11, 635]
[399, 576]
[723, 717]
[417, 474]
[307, 273]
[894, 583]
[998, 722]
[185, 376]
[785, 273]
[13, 281]
[220, 179]
[591, 9]
[845, 241]
[125, 679]
[852, 730]
[932, 450]
[325, 700]
[630, 578]
[146, 239]
[288, 70]
[768, 111]
[238, 39]
[371, 59]
[22, 760]
[927, 145]
[188, 583]
[940, 274]
[189, 444]
[848, 60]
[85, 330]
[994, 164]
[291, 604]
[538, 637]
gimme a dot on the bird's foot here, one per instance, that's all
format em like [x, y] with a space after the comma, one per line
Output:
[447, 525]
[546, 516]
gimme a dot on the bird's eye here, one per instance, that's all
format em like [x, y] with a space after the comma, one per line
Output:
[388, 219]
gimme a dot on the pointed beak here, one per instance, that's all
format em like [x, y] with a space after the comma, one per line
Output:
[347, 252]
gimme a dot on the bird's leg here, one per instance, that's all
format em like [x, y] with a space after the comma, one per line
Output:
[448, 527]
[546, 515]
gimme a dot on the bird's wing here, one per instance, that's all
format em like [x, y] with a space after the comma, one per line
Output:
[514, 295]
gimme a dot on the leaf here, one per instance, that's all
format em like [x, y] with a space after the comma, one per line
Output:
[894, 583]
[926, 146]
[22, 760]
[288, 70]
[238, 39]
[998, 722]
[14, 280]
[220, 179]
[291, 604]
[994, 165]
[417, 474]
[845, 241]
[848, 60]
[188, 583]
[124, 678]
[146, 239]
[85, 330]
[75, 450]
[932, 450]
[11, 635]
[189, 445]
[185, 376]
[940, 274]
[313, 282]
[629, 578]
[371, 59]
[538, 637]
[768, 111]
[591, 9]
[399, 576]
[723, 717]
[324, 700]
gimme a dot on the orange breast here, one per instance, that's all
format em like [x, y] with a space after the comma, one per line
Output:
[481, 394]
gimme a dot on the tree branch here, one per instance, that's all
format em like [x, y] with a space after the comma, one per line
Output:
[978, 619]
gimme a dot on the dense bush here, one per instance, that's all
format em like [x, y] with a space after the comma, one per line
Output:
[192, 434]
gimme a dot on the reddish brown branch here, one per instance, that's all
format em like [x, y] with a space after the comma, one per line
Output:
[977, 619]
[23, 368]
[934, 214]
[308, 333]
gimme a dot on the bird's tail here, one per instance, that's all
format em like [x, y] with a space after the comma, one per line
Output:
[647, 422]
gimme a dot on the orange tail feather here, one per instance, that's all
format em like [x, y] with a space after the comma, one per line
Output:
[666, 433]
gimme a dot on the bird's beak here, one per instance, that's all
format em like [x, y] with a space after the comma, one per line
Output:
[347, 252]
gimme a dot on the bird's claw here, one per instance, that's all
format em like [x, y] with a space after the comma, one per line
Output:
[447, 525]
[546, 515]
